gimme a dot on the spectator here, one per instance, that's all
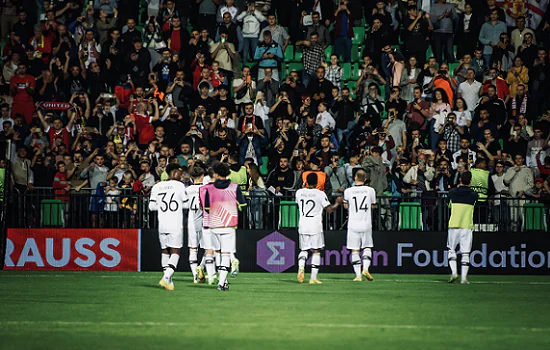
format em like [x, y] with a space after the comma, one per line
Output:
[278, 33]
[22, 87]
[268, 54]
[334, 72]
[519, 180]
[281, 178]
[409, 79]
[463, 153]
[318, 28]
[518, 34]
[417, 26]
[468, 31]
[234, 33]
[343, 31]
[528, 51]
[489, 35]
[251, 19]
[312, 56]
[442, 16]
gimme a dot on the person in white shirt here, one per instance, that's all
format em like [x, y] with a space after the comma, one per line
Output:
[228, 7]
[324, 118]
[359, 200]
[168, 198]
[470, 90]
[251, 19]
[311, 203]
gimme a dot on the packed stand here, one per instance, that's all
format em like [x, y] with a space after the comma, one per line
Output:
[99, 96]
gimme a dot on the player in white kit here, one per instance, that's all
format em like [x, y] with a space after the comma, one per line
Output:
[360, 199]
[168, 198]
[311, 203]
[194, 221]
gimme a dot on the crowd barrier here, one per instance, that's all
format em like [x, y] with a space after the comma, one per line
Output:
[41, 208]
[274, 251]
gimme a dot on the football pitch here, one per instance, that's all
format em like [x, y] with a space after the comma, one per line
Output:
[94, 310]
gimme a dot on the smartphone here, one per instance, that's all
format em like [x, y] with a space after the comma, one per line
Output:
[223, 40]
[248, 79]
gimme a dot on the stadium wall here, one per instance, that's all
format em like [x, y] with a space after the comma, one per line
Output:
[274, 251]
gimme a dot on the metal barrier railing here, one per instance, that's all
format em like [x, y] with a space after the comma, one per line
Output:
[43, 208]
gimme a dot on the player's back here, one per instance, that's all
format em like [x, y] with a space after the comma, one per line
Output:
[360, 200]
[170, 197]
[311, 203]
[193, 203]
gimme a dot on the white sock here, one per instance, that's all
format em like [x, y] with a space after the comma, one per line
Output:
[233, 257]
[164, 260]
[193, 261]
[465, 262]
[315, 262]
[210, 268]
[172, 265]
[356, 261]
[224, 268]
[218, 257]
[367, 258]
[302, 258]
[203, 261]
[451, 256]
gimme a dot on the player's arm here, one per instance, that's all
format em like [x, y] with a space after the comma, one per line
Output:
[331, 208]
[153, 206]
[346, 200]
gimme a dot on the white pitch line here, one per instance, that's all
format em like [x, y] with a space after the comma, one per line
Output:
[67, 324]
[276, 279]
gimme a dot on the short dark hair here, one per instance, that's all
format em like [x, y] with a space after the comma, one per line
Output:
[466, 178]
[221, 169]
[311, 179]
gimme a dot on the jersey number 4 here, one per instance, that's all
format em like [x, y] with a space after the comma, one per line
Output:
[172, 205]
[362, 207]
[304, 203]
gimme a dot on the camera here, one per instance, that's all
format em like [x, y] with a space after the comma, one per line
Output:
[442, 72]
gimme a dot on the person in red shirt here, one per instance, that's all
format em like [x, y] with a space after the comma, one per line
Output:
[502, 87]
[42, 44]
[58, 131]
[22, 87]
[143, 122]
[61, 182]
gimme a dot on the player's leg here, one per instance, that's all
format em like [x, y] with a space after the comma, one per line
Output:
[302, 257]
[465, 248]
[210, 268]
[172, 263]
[194, 262]
[353, 244]
[227, 243]
[367, 244]
[218, 258]
[315, 265]
[452, 242]
[164, 258]
[234, 265]
[202, 266]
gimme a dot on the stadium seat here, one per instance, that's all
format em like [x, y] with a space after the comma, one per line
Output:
[328, 53]
[358, 35]
[282, 72]
[382, 90]
[51, 213]
[347, 71]
[288, 214]
[355, 56]
[356, 72]
[429, 52]
[352, 85]
[534, 217]
[297, 54]
[452, 67]
[289, 53]
[263, 167]
[295, 67]
[410, 216]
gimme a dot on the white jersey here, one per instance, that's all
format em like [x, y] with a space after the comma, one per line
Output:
[311, 203]
[168, 198]
[360, 200]
[195, 211]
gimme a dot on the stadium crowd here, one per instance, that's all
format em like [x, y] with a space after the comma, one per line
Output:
[102, 95]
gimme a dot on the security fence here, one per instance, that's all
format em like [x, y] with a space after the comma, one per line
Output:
[418, 212]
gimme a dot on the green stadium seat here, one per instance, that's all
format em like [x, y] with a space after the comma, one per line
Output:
[358, 35]
[263, 167]
[282, 72]
[429, 52]
[328, 53]
[382, 90]
[297, 54]
[534, 217]
[295, 67]
[452, 67]
[355, 56]
[51, 213]
[356, 72]
[347, 71]
[289, 53]
[352, 86]
[410, 216]
[288, 214]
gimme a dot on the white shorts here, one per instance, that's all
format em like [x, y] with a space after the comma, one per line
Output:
[209, 240]
[462, 236]
[227, 239]
[171, 240]
[315, 241]
[194, 239]
[359, 239]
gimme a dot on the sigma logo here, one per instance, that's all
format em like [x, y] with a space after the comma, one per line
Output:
[66, 249]
[275, 252]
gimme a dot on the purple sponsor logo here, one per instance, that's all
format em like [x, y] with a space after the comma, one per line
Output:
[275, 252]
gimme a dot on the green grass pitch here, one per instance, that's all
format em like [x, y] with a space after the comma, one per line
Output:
[86, 310]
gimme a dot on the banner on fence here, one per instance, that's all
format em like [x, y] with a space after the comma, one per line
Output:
[73, 249]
